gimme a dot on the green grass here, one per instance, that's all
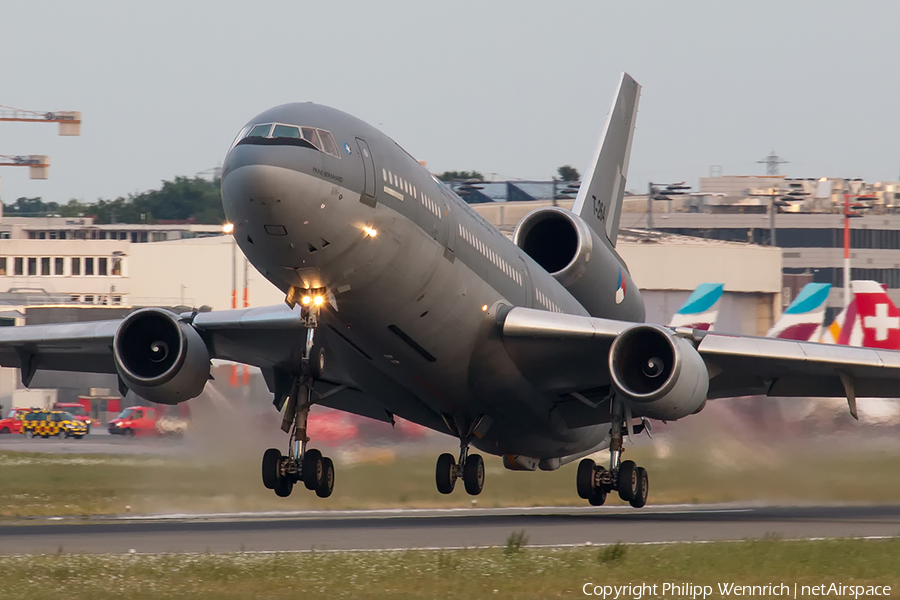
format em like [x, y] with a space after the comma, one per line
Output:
[481, 573]
[35, 484]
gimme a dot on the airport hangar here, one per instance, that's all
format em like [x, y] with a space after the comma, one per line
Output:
[59, 269]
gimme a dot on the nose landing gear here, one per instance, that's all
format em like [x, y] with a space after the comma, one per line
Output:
[594, 482]
[280, 472]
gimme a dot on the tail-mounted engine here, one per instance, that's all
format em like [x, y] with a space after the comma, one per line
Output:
[659, 374]
[589, 268]
[159, 357]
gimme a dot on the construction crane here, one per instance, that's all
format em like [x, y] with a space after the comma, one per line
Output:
[69, 121]
[37, 164]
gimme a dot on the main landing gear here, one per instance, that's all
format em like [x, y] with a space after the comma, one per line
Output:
[469, 467]
[280, 472]
[594, 482]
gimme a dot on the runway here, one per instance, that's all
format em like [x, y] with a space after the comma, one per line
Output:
[446, 528]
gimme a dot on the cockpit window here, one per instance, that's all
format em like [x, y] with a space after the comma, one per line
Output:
[260, 130]
[281, 134]
[328, 144]
[286, 131]
[312, 136]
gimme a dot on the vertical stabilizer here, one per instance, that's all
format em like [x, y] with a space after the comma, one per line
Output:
[701, 310]
[802, 320]
[599, 200]
[878, 315]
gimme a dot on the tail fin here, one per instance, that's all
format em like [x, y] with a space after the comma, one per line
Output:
[599, 200]
[878, 315]
[701, 310]
[802, 320]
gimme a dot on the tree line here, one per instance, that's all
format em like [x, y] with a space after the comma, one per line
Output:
[196, 200]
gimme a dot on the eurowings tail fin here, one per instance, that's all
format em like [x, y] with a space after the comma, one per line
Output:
[802, 320]
[599, 200]
[701, 310]
[878, 315]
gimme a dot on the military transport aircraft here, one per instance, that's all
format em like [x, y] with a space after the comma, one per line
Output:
[401, 300]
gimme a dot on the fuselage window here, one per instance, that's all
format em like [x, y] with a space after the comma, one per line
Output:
[286, 131]
[260, 130]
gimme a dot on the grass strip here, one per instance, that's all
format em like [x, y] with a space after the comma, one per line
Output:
[514, 571]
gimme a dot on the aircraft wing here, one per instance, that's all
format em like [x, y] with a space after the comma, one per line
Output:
[263, 337]
[567, 353]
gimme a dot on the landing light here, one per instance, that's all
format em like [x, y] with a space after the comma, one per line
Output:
[484, 308]
[370, 232]
[228, 228]
[318, 300]
[306, 300]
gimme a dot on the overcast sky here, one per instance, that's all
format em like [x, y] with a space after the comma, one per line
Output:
[513, 88]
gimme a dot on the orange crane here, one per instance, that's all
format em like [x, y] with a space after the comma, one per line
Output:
[37, 164]
[69, 121]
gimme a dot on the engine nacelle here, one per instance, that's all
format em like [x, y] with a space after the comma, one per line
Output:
[583, 263]
[660, 375]
[159, 357]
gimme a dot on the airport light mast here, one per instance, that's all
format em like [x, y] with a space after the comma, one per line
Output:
[851, 211]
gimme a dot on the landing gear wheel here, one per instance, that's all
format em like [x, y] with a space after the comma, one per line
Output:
[271, 467]
[643, 487]
[584, 481]
[445, 473]
[312, 469]
[284, 487]
[327, 486]
[626, 480]
[598, 496]
[473, 474]
[317, 363]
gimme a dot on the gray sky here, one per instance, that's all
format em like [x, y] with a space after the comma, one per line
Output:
[515, 88]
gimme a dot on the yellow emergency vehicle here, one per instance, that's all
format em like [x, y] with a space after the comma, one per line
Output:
[57, 423]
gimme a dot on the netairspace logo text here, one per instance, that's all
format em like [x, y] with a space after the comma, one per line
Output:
[690, 590]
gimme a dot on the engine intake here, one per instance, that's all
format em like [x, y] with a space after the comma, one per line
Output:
[660, 375]
[159, 357]
[587, 266]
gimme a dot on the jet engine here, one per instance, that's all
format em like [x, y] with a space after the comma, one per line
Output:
[159, 357]
[660, 375]
[586, 265]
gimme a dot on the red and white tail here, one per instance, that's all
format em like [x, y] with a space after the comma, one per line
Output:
[878, 318]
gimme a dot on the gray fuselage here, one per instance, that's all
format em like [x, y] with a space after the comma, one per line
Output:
[416, 276]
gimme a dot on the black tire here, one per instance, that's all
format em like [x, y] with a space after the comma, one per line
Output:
[473, 474]
[284, 487]
[312, 469]
[271, 463]
[643, 488]
[324, 490]
[598, 496]
[128, 433]
[317, 363]
[626, 480]
[445, 473]
[29, 434]
[584, 480]
[63, 434]
[4, 430]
